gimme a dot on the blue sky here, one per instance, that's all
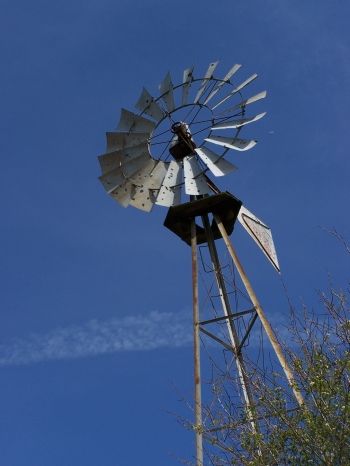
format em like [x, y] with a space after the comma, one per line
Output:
[90, 371]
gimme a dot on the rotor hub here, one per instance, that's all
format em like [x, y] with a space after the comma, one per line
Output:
[182, 143]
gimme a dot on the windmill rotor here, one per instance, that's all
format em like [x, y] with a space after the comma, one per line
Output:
[181, 124]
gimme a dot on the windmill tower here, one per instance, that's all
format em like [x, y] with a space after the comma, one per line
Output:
[163, 155]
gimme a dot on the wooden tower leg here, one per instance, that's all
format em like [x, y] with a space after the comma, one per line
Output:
[267, 327]
[196, 341]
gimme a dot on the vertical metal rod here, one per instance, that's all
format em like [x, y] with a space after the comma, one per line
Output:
[196, 350]
[266, 324]
[234, 338]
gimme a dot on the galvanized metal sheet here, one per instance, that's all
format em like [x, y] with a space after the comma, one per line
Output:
[142, 199]
[237, 123]
[173, 175]
[236, 89]
[187, 80]
[222, 101]
[152, 175]
[261, 234]
[232, 71]
[210, 71]
[156, 177]
[168, 197]
[123, 193]
[112, 160]
[226, 79]
[208, 75]
[232, 143]
[118, 141]
[132, 123]
[147, 104]
[170, 191]
[195, 182]
[167, 94]
[142, 174]
[243, 103]
[245, 83]
[216, 164]
[118, 176]
[251, 100]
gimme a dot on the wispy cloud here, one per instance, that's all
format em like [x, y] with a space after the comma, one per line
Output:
[95, 337]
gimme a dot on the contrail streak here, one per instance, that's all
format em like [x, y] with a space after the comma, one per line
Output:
[95, 337]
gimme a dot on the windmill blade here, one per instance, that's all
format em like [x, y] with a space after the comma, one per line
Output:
[147, 104]
[110, 161]
[187, 80]
[252, 99]
[216, 163]
[232, 143]
[141, 198]
[152, 175]
[123, 193]
[114, 159]
[245, 102]
[260, 233]
[237, 123]
[170, 191]
[119, 175]
[208, 75]
[226, 79]
[146, 180]
[245, 83]
[237, 89]
[131, 123]
[195, 181]
[166, 89]
[118, 141]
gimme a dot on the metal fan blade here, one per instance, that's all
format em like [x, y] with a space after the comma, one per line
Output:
[236, 89]
[241, 105]
[168, 197]
[252, 99]
[119, 175]
[114, 159]
[166, 89]
[142, 199]
[245, 83]
[187, 80]
[123, 193]
[260, 233]
[232, 143]
[118, 141]
[138, 189]
[170, 191]
[148, 179]
[216, 164]
[151, 176]
[205, 81]
[231, 72]
[147, 104]
[110, 161]
[195, 181]
[132, 123]
[226, 79]
[237, 123]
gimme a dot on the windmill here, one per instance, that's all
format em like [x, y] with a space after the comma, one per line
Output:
[163, 154]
